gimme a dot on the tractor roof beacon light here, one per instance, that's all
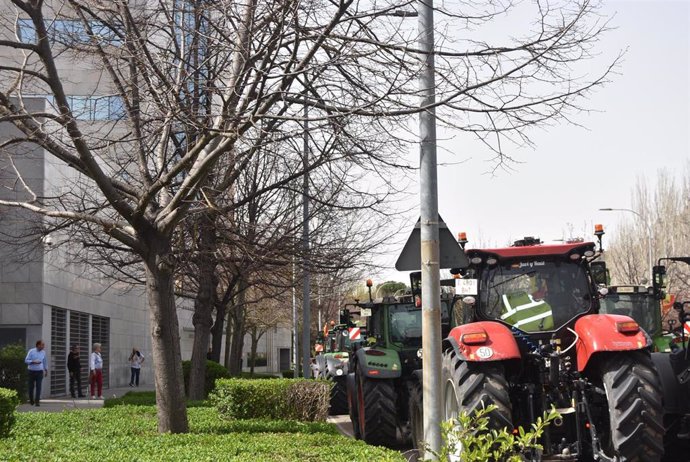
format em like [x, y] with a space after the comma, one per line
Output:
[599, 233]
[462, 239]
[370, 283]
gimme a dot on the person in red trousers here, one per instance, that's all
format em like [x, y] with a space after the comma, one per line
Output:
[96, 371]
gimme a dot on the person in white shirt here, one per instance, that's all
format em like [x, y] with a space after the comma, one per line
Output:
[136, 359]
[96, 371]
[38, 368]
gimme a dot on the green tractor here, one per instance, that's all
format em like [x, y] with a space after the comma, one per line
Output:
[641, 304]
[674, 371]
[384, 380]
[332, 362]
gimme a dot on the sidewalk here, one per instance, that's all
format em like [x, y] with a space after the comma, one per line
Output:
[66, 403]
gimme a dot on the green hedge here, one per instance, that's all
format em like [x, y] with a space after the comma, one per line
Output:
[129, 433]
[13, 371]
[293, 399]
[8, 403]
[144, 398]
[214, 371]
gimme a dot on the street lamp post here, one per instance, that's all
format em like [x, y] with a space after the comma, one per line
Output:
[650, 257]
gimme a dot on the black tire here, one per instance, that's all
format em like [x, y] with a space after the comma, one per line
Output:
[469, 386]
[352, 404]
[416, 413]
[338, 397]
[377, 411]
[633, 392]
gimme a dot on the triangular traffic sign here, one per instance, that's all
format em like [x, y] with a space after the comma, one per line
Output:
[451, 254]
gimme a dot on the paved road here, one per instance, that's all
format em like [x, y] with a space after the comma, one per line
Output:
[345, 428]
[66, 403]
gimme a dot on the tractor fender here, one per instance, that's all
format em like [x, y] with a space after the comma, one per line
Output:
[333, 365]
[379, 363]
[319, 366]
[676, 396]
[598, 333]
[499, 346]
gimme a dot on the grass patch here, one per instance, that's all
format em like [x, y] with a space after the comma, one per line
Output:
[129, 433]
[145, 398]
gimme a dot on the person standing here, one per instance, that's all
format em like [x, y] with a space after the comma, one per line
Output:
[136, 359]
[96, 371]
[38, 369]
[74, 368]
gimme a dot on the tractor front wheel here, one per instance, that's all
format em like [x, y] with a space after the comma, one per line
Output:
[416, 412]
[635, 412]
[377, 411]
[353, 403]
[339, 397]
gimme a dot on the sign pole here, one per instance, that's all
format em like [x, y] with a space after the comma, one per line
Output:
[429, 235]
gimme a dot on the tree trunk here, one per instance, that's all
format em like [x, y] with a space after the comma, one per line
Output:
[238, 329]
[203, 307]
[165, 339]
[252, 353]
[228, 342]
[217, 331]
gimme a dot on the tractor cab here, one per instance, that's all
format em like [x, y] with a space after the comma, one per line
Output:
[639, 303]
[530, 286]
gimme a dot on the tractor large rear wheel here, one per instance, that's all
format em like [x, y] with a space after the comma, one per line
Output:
[416, 412]
[338, 397]
[377, 411]
[469, 387]
[633, 392]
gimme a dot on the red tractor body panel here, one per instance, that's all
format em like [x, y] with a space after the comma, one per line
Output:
[598, 333]
[499, 345]
[535, 250]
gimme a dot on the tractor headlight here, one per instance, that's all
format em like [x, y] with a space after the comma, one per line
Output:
[339, 372]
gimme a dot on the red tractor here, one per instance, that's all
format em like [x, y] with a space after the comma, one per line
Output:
[532, 339]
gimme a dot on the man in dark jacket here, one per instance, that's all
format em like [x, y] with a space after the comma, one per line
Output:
[74, 368]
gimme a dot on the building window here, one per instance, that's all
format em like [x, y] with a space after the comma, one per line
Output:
[58, 352]
[68, 32]
[79, 335]
[12, 336]
[100, 333]
[95, 108]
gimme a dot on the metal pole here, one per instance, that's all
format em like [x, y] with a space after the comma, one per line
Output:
[431, 286]
[306, 308]
[650, 258]
[295, 331]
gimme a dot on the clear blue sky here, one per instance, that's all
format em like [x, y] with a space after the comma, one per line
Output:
[643, 126]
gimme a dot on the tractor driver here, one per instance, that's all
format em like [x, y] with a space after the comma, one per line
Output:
[526, 308]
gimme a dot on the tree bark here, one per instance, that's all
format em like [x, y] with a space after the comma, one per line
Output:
[238, 329]
[203, 307]
[256, 335]
[165, 339]
[217, 331]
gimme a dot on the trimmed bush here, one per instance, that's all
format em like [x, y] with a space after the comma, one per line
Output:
[293, 399]
[8, 403]
[129, 433]
[214, 371]
[144, 398]
[13, 372]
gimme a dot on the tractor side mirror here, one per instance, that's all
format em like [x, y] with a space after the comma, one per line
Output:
[659, 281]
[600, 274]
[344, 316]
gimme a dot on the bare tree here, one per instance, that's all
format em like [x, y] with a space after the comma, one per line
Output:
[665, 211]
[191, 87]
